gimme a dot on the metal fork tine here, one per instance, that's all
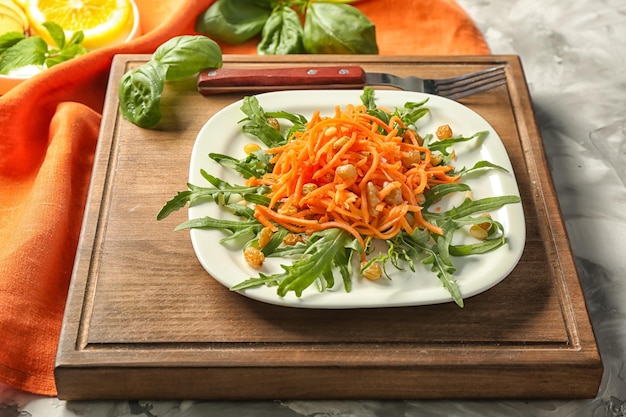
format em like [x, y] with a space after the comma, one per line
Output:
[474, 76]
[473, 89]
[467, 84]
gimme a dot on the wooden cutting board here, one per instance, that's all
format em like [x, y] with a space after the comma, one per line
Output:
[145, 321]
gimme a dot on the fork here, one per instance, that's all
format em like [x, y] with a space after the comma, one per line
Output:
[224, 80]
[454, 87]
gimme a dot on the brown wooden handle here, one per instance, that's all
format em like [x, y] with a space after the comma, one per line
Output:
[224, 80]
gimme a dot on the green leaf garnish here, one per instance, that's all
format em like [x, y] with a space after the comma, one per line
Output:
[17, 51]
[291, 26]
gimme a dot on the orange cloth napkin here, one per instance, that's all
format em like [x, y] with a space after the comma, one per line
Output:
[48, 132]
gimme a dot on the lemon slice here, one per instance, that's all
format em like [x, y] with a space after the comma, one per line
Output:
[9, 24]
[10, 10]
[103, 22]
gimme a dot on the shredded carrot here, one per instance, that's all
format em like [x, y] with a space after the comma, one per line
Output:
[350, 171]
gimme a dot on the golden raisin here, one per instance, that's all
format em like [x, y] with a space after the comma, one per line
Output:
[373, 199]
[436, 159]
[251, 147]
[254, 257]
[478, 232]
[273, 122]
[291, 239]
[481, 230]
[395, 197]
[444, 132]
[485, 225]
[265, 235]
[411, 158]
[372, 272]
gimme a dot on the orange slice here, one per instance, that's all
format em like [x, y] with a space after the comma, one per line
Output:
[102, 21]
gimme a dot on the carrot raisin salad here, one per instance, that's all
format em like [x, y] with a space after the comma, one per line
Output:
[324, 192]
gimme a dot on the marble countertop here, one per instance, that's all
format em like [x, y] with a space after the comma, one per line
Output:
[574, 55]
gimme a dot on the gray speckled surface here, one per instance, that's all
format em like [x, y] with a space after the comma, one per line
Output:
[574, 56]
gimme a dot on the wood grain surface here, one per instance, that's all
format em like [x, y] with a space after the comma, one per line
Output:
[144, 320]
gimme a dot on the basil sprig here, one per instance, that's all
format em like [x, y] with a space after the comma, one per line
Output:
[140, 88]
[17, 50]
[330, 26]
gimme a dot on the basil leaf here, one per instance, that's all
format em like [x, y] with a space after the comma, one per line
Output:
[29, 51]
[77, 37]
[70, 51]
[234, 21]
[184, 56]
[9, 39]
[333, 28]
[56, 33]
[282, 33]
[140, 92]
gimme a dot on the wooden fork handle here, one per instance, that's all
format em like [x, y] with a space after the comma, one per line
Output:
[225, 80]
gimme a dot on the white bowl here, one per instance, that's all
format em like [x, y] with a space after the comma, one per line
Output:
[8, 82]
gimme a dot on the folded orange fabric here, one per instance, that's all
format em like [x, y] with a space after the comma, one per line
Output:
[49, 129]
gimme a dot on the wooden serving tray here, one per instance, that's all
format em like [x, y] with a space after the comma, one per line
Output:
[145, 321]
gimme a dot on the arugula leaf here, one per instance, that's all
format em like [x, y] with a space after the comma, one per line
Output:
[443, 145]
[444, 269]
[256, 164]
[324, 251]
[209, 222]
[440, 191]
[410, 113]
[480, 165]
[368, 99]
[244, 230]
[220, 193]
[275, 242]
[469, 207]
[296, 119]
[258, 123]
[494, 240]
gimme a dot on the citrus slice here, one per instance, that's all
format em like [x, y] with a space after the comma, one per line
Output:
[8, 9]
[103, 22]
[9, 24]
